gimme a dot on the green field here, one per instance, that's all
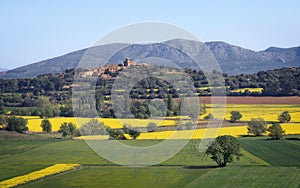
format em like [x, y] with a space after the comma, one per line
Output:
[264, 163]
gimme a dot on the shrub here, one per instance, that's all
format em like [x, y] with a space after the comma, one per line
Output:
[116, 134]
[235, 115]
[17, 124]
[93, 127]
[151, 127]
[275, 131]
[284, 117]
[133, 133]
[257, 126]
[68, 129]
[3, 121]
[46, 125]
[209, 116]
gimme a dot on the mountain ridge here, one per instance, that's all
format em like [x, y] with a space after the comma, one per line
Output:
[232, 59]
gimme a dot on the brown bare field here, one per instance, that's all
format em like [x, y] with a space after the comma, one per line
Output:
[254, 100]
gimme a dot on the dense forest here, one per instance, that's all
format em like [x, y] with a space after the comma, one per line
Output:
[50, 95]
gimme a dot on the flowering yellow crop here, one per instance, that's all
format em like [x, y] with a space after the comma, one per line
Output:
[259, 90]
[35, 124]
[33, 176]
[290, 128]
[269, 112]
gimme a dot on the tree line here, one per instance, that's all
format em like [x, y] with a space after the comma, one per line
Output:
[46, 95]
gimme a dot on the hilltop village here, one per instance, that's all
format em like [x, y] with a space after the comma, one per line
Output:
[110, 71]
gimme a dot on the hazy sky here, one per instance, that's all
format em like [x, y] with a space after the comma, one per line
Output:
[33, 30]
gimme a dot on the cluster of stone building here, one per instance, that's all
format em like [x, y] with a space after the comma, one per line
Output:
[106, 71]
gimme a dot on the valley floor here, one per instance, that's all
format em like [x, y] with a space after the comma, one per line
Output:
[264, 163]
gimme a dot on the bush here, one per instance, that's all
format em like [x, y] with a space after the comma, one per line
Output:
[151, 127]
[68, 129]
[21, 112]
[3, 121]
[235, 115]
[209, 117]
[46, 125]
[276, 131]
[257, 126]
[93, 127]
[284, 117]
[17, 124]
[116, 134]
[133, 133]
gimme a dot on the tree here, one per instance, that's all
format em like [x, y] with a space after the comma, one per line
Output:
[151, 127]
[209, 117]
[64, 129]
[2, 107]
[189, 125]
[3, 121]
[46, 108]
[93, 127]
[68, 129]
[223, 149]
[235, 115]
[170, 105]
[17, 124]
[275, 131]
[116, 134]
[257, 126]
[133, 133]
[46, 125]
[284, 117]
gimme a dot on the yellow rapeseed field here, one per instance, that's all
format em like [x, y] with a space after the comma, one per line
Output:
[35, 124]
[213, 132]
[259, 90]
[290, 128]
[33, 176]
[269, 112]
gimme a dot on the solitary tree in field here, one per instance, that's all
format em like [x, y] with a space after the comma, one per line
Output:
[151, 127]
[284, 117]
[223, 149]
[93, 127]
[46, 125]
[275, 131]
[235, 115]
[67, 129]
[257, 126]
[17, 124]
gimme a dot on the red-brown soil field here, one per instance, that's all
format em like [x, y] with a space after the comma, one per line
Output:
[255, 100]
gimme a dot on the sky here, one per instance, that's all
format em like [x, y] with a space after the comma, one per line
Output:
[35, 30]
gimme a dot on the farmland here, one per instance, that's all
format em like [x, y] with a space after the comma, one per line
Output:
[264, 162]
[34, 123]
[257, 166]
[269, 112]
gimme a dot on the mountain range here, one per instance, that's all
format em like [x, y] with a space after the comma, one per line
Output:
[183, 53]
